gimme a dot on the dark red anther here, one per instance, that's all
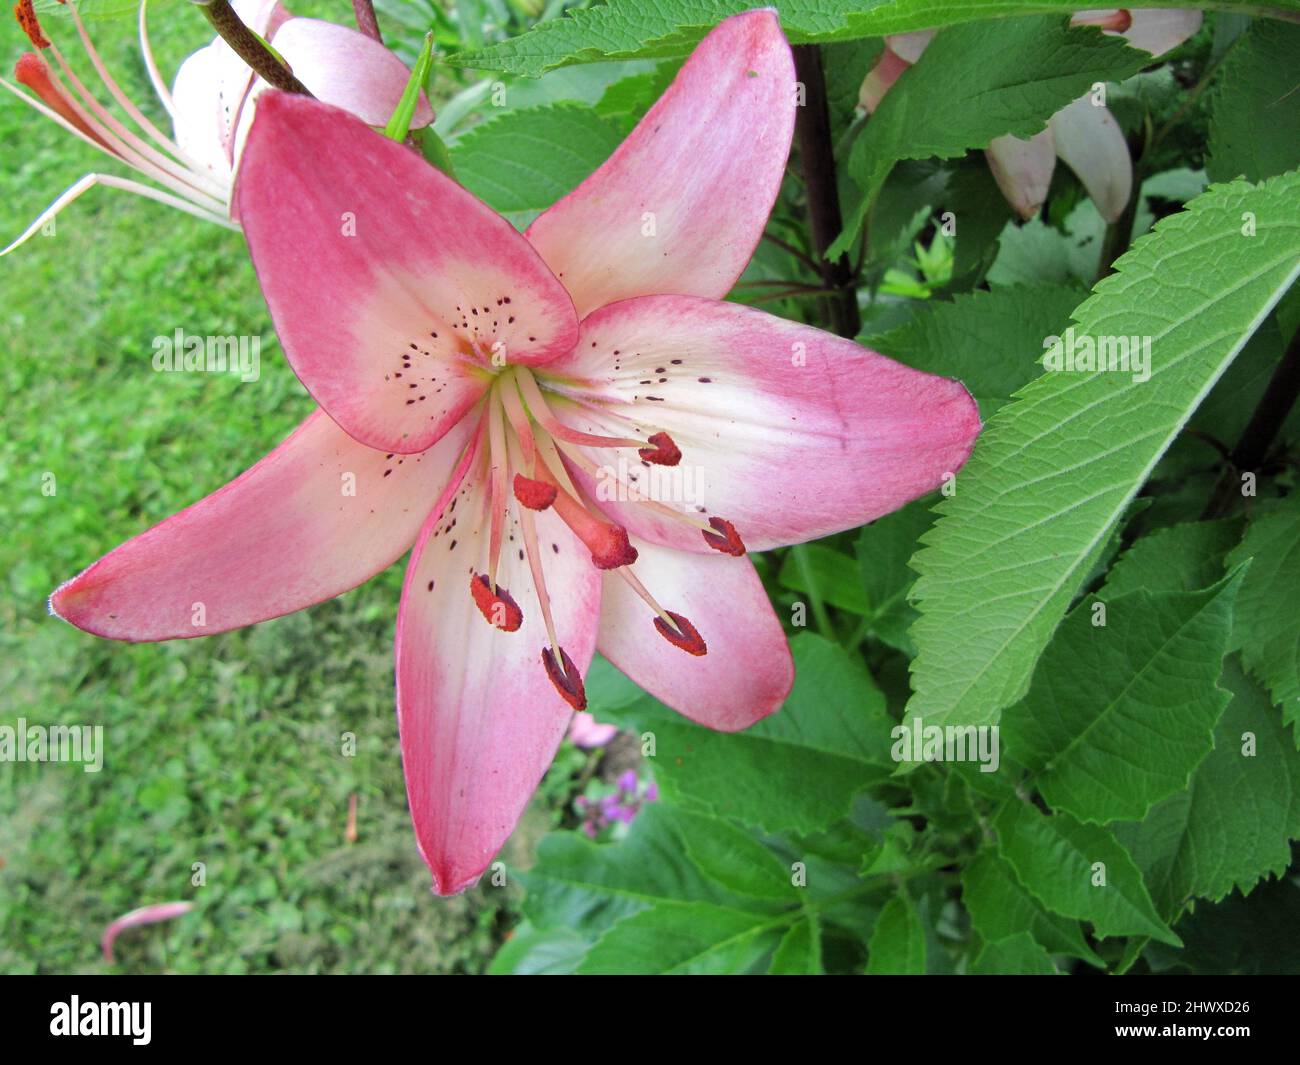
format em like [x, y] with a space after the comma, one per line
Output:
[500, 610]
[567, 680]
[26, 16]
[687, 637]
[726, 539]
[535, 495]
[664, 452]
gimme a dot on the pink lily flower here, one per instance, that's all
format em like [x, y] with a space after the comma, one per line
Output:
[211, 105]
[159, 911]
[506, 402]
[1083, 134]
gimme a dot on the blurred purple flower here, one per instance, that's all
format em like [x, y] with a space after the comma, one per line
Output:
[618, 807]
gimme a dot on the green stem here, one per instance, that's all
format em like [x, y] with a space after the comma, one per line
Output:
[823, 619]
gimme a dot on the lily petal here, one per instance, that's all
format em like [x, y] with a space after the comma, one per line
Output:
[211, 86]
[1023, 170]
[391, 287]
[1090, 142]
[681, 204]
[788, 432]
[207, 96]
[748, 670]
[263, 17]
[910, 46]
[315, 517]
[888, 69]
[348, 69]
[480, 719]
[1160, 30]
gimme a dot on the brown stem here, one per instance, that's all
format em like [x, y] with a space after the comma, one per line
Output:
[786, 246]
[1119, 235]
[250, 47]
[793, 293]
[364, 12]
[813, 132]
[1262, 429]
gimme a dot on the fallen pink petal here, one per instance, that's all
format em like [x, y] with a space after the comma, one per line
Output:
[587, 732]
[145, 915]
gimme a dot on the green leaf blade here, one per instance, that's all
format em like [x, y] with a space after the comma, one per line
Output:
[1057, 467]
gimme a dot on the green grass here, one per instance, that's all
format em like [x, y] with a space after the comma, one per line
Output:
[227, 750]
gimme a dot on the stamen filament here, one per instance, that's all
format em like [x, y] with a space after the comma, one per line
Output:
[674, 628]
[155, 76]
[523, 430]
[131, 148]
[90, 181]
[498, 463]
[634, 582]
[635, 494]
[528, 527]
[546, 418]
[106, 145]
[116, 91]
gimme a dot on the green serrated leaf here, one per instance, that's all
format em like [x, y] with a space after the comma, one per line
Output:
[633, 95]
[800, 951]
[975, 83]
[625, 29]
[1119, 714]
[522, 161]
[1000, 908]
[1036, 253]
[1056, 469]
[1233, 823]
[586, 887]
[689, 938]
[1016, 955]
[1180, 558]
[835, 576]
[1267, 626]
[1079, 871]
[1255, 113]
[733, 858]
[883, 548]
[981, 213]
[990, 341]
[534, 952]
[897, 946]
[797, 770]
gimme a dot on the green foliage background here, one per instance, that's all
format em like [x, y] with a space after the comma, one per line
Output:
[800, 846]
